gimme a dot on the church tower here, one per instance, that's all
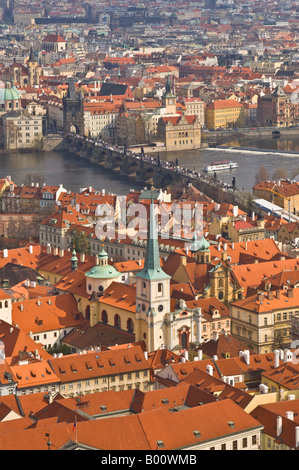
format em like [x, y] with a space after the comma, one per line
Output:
[33, 69]
[152, 292]
[169, 99]
[73, 110]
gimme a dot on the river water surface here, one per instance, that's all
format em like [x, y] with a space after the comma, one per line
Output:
[65, 168]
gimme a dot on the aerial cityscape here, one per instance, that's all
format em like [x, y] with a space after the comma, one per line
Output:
[149, 227]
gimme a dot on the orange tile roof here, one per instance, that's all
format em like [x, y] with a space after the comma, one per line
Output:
[34, 374]
[18, 345]
[261, 303]
[120, 295]
[121, 360]
[46, 314]
[221, 104]
[253, 274]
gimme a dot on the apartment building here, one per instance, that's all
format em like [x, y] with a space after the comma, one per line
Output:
[223, 114]
[120, 368]
[22, 131]
[263, 320]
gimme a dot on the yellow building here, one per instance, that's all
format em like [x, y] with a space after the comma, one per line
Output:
[223, 114]
[263, 320]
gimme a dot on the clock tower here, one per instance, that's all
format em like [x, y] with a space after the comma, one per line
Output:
[169, 99]
[152, 292]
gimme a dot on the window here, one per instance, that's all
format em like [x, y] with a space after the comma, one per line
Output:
[244, 442]
[117, 321]
[235, 445]
[254, 440]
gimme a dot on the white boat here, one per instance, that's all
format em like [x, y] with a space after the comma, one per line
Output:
[225, 165]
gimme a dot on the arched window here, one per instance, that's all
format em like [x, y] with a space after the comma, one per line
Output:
[130, 325]
[104, 316]
[184, 340]
[160, 288]
[117, 321]
[87, 312]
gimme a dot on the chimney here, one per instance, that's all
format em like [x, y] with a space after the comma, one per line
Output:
[55, 251]
[215, 335]
[290, 415]
[276, 358]
[278, 294]
[297, 436]
[30, 248]
[199, 354]
[48, 249]
[146, 355]
[270, 295]
[5, 253]
[209, 369]
[278, 425]
[247, 357]
[290, 293]
[61, 253]
[287, 356]
[253, 216]
[235, 211]
[183, 260]
[82, 257]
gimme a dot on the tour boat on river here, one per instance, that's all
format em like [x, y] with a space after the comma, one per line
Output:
[225, 165]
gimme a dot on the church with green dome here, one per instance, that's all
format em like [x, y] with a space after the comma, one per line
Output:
[10, 98]
[101, 275]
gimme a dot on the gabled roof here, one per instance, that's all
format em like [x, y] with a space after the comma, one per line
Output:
[47, 313]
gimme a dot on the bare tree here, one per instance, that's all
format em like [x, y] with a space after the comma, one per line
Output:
[34, 178]
[280, 174]
[261, 175]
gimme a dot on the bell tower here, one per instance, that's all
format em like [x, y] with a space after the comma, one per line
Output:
[169, 98]
[152, 291]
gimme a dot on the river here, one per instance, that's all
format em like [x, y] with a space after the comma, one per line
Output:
[64, 168]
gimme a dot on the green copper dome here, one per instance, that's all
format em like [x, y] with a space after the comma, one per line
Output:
[200, 244]
[9, 93]
[103, 270]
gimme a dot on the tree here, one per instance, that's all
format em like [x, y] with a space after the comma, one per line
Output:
[34, 178]
[261, 175]
[62, 348]
[280, 174]
[81, 243]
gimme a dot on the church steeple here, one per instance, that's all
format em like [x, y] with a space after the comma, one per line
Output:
[152, 291]
[31, 56]
[152, 267]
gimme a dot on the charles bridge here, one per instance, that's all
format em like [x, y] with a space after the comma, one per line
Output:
[144, 169]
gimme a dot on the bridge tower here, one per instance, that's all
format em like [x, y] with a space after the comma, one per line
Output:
[73, 110]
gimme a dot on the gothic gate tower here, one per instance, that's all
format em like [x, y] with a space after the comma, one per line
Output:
[73, 110]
